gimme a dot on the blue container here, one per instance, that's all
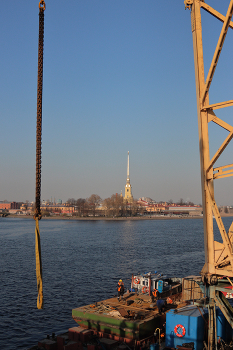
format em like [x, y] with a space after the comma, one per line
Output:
[224, 329]
[221, 323]
[192, 327]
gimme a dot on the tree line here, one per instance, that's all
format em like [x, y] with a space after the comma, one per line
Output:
[114, 206]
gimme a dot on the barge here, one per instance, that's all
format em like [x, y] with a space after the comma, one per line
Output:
[137, 315]
[136, 322]
[133, 322]
[134, 318]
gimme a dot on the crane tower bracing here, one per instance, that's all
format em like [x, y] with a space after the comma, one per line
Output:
[218, 256]
[217, 273]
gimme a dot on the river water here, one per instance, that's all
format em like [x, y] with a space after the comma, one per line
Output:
[82, 263]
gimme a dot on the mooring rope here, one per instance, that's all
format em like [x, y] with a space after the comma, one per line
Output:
[40, 300]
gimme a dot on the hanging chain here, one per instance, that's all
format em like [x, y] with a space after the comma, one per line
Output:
[42, 5]
[39, 109]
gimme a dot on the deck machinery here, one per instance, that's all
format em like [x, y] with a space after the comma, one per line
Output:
[217, 273]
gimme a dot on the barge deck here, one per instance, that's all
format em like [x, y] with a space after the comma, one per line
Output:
[135, 317]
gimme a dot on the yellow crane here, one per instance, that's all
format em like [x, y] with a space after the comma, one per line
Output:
[217, 273]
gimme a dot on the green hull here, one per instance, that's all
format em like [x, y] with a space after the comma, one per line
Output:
[123, 328]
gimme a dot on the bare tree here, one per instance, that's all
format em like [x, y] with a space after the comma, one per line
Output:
[122, 206]
[80, 205]
[117, 205]
[181, 201]
[134, 208]
[93, 202]
[114, 206]
[107, 204]
[71, 201]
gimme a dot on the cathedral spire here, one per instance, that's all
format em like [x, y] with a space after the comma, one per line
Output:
[128, 188]
[128, 168]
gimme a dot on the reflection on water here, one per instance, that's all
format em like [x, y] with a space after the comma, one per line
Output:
[82, 262]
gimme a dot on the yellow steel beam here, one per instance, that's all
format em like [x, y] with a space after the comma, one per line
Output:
[219, 152]
[224, 174]
[220, 254]
[220, 122]
[230, 232]
[219, 105]
[203, 137]
[225, 238]
[215, 13]
[218, 50]
[221, 173]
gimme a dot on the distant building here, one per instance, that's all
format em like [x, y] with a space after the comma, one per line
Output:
[146, 199]
[191, 210]
[151, 207]
[5, 205]
[9, 205]
[128, 188]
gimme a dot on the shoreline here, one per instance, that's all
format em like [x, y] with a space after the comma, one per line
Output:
[98, 218]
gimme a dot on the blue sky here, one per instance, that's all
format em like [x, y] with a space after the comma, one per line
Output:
[118, 77]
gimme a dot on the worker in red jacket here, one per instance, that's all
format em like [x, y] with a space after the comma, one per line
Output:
[120, 290]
